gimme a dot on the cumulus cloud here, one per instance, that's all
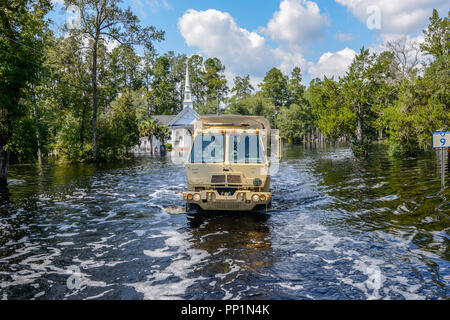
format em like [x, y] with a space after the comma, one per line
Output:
[344, 36]
[332, 64]
[217, 34]
[297, 22]
[399, 16]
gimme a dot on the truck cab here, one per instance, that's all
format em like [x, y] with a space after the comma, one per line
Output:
[227, 167]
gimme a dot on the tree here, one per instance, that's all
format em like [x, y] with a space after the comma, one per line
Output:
[124, 68]
[120, 130]
[295, 87]
[242, 87]
[163, 134]
[423, 103]
[275, 87]
[293, 122]
[22, 27]
[177, 74]
[437, 40]
[406, 57]
[256, 104]
[149, 128]
[361, 86]
[103, 20]
[163, 87]
[333, 118]
[198, 87]
[64, 98]
[215, 82]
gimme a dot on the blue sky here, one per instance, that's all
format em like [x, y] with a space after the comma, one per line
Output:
[252, 36]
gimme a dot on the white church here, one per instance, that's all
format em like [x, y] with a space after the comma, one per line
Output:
[181, 125]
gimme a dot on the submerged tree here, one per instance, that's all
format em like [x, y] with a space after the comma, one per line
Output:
[22, 27]
[424, 103]
[105, 20]
[149, 128]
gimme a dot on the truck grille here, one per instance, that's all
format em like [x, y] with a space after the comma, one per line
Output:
[218, 178]
[233, 179]
[227, 205]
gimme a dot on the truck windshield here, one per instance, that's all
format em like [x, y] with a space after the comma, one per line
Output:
[245, 148]
[208, 148]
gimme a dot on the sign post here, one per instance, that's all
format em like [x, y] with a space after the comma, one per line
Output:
[441, 139]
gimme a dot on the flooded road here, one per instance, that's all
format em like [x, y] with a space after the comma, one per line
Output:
[340, 228]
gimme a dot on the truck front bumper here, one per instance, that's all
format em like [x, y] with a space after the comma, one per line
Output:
[241, 200]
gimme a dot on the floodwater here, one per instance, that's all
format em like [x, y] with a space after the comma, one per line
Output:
[340, 228]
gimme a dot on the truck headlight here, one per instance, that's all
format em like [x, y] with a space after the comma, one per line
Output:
[255, 198]
[196, 197]
[257, 182]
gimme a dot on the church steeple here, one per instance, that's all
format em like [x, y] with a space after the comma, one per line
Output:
[187, 102]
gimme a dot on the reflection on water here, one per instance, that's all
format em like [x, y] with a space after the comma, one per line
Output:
[340, 228]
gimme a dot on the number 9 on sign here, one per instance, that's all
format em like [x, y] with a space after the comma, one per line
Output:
[441, 139]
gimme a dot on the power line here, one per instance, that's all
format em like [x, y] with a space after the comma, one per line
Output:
[18, 42]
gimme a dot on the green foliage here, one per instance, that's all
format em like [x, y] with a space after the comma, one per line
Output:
[55, 88]
[330, 115]
[149, 128]
[437, 41]
[164, 101]
[275, 87]
[163, 133]
[120, 130]
[423, 105]
[124, 69]
[22, 27]
[293, 122]
[23, 143]
[242, 87]
[295, 87]
[198, 87]
[210, 107]
[67, 144]
[214, 79]
[257, 105]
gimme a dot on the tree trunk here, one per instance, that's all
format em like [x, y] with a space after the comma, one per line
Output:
[359, 128]
[4, 160]
[150, 140]
[36, 121]
[94, 102]
[82, 125]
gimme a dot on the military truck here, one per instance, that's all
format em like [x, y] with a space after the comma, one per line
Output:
[228, 164]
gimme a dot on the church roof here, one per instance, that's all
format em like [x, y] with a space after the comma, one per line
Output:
[164, 119]
[186, 117]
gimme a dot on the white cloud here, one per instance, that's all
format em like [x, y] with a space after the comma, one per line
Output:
[111, 44]
[297, 22]
[344, 36]
[396, 16]
[216, 34]
[332, 64]
[141, 6]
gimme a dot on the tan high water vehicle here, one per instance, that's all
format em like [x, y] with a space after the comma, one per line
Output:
[227, 167]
